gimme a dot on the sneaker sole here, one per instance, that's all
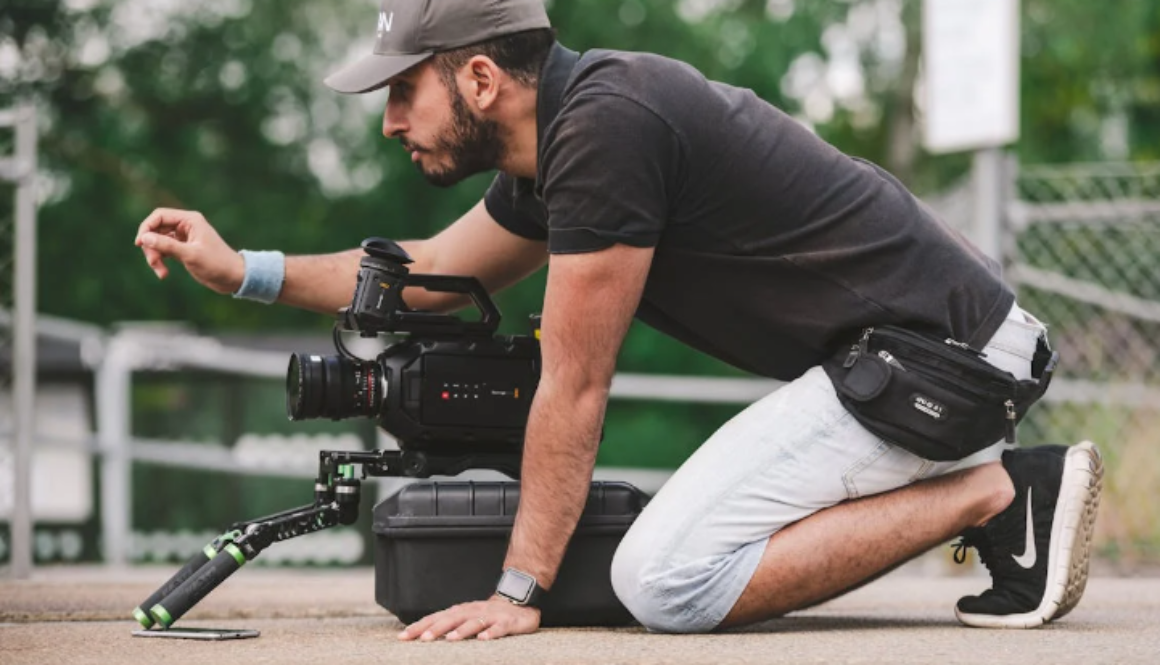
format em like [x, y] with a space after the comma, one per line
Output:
[1070, 550]
[1081, 556]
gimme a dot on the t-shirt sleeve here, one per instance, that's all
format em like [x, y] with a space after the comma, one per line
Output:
[500, 201]
[610, 174]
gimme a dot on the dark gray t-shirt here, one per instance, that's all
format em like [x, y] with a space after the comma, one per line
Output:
[772, 247]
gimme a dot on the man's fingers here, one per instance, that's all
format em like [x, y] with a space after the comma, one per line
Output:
[163, 245]
[498, 629]
[482, 620]
[456, 623]
[152, 257]
[516, 621]
[472, 627]
[416, 629]
[165, 221]
[446, 623]
[155, 262]
[158, 266]
[155, 221]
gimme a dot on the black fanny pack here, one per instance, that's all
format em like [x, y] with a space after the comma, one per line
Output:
[936, 397]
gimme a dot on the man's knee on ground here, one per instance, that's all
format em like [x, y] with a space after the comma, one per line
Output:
[662, 600]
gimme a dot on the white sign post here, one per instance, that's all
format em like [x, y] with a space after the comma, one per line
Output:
[971, 70]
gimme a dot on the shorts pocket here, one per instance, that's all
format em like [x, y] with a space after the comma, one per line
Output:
[886, 467]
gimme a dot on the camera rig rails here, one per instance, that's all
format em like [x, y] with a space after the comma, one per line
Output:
[337, 494]
[453, 393]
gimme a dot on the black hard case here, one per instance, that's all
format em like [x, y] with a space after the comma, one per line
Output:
[442, 543]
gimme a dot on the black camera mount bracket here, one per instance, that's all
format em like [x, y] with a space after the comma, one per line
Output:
[337, 493]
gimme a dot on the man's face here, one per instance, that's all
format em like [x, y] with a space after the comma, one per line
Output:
[432, 121]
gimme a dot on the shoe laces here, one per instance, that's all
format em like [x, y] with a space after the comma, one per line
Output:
[1005, 575]
[973, 538]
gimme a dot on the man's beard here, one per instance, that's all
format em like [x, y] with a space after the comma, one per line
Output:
[473, 146]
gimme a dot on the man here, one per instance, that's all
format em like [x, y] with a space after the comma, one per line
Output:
[712, 216]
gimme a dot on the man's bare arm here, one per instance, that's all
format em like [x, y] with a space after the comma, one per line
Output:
[474, 245]
[589, 304]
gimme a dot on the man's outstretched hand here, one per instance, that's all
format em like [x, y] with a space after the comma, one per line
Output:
[483, 620]
[187, 236]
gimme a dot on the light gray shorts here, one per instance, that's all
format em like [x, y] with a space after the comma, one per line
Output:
[693, 550]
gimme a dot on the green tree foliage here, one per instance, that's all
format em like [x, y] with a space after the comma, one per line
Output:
[1091, 81]
[218, 106]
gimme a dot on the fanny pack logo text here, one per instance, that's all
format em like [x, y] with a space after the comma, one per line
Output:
[385, 21]
[928, 406]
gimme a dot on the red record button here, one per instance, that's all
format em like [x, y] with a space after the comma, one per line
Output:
[446, 395]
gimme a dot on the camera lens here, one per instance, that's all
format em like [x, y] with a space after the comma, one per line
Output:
[332, 387]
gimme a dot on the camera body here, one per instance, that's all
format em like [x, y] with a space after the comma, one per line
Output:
[449, 385]
[451, 393]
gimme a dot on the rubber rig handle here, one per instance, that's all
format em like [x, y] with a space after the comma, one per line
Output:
[173, 606]
[203, 556]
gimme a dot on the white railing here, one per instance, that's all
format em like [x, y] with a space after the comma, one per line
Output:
[20, 169]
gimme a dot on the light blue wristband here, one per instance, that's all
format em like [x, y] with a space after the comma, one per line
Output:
[265, 272]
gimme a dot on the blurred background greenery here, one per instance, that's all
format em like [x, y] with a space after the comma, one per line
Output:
[218, 106]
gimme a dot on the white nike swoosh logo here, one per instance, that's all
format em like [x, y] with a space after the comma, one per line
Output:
[1027, 560]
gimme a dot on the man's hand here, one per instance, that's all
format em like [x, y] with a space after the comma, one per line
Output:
[483, 620]
[189, 238]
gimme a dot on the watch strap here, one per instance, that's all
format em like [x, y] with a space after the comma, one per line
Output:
[537, 596]
[534, 596]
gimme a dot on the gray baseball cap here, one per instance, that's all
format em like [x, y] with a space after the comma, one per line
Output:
[410, 31]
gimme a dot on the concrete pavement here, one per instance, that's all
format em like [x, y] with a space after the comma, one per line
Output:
[82, 616]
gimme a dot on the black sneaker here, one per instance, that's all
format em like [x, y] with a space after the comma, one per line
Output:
[1037, 549]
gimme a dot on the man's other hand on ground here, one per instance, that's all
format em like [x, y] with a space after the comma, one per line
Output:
[484, 620]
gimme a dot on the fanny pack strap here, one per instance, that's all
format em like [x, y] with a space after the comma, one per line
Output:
[1043, 365]
[1044, 359]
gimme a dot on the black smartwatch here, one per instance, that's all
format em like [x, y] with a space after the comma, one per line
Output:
[519, 588]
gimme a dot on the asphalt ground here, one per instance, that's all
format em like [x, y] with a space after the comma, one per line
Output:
[82, 615]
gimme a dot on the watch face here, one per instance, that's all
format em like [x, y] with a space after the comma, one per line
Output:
[516, 585]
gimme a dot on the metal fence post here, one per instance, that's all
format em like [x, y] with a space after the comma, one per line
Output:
[1009, 210]
[988, 184]
[22, 170]
[113, 384]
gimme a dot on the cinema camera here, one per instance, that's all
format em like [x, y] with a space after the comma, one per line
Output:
[454, 394]
[453, 387]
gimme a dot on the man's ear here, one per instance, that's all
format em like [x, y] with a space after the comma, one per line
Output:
[483, 81]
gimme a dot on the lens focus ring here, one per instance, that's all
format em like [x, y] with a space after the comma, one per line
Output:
[332, 387]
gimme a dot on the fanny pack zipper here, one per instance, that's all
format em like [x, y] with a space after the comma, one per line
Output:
[923, 342]
[863, 343]
[928, 348]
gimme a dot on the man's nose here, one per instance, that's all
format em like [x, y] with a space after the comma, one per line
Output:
[393, 121]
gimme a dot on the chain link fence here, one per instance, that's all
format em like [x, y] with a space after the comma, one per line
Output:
[1082, 245]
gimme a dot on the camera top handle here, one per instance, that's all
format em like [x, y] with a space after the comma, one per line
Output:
[378, 304]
